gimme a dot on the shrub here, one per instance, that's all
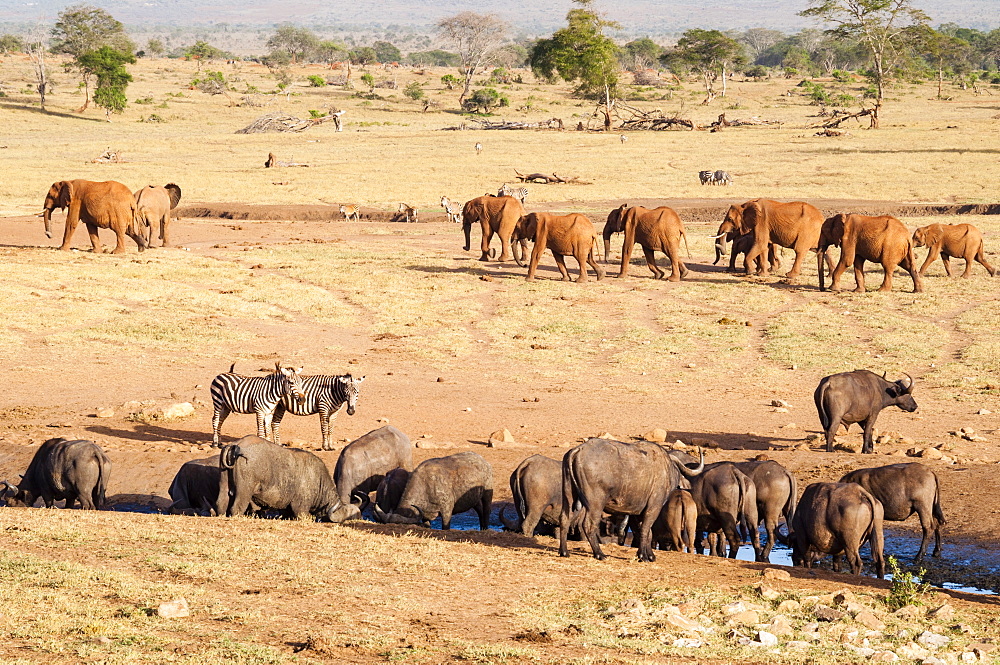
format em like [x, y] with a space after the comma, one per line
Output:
[316, 81]
[450, 81]
[841, 76]
[757, 72]
[485, 99]
[906, 588]
[414, 91]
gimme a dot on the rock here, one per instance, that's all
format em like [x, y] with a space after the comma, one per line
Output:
[911, 651]
[932, 660]
[767, 593]
[781, 626]
[705, 443]
[983, 412]
[683, 623]
[689, 609]
[982, 649]
[734, 608]
[690, 365]
[777, 575]
[789, 606]
[176, 411]
[931, 453]
[844, 596]
[824, 613]
[884, 657]
[942, 613]
[968, 657]
[907, 612]
[932, 640]
[797, 644]
[131, 406]
[745, 618]
[656, 435]
[467, 409]
[104, 413]
[766, 639]
[967, 430]
[503, 435]
[789, 426]
[868, 619]
[687, 643]
[677, 445]
[175, 609]
[779, 409]
[427, 444]
[780, 403]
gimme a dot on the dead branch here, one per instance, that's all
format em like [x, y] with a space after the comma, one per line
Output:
[835, 122]
[109, 156]
[554, 123]
[274, 162]
[281, 122]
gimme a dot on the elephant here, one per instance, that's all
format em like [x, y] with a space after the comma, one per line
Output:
[656, 230]
[861, 238]
[795, 225]
[105, 205]
[611, 226]
[948, 240]
[572, 234]
[741, 245]
[153, 204]
[496, 214]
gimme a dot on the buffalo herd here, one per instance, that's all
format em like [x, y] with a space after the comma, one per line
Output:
[601, 489]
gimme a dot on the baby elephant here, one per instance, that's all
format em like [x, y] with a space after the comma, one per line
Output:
[952, 240]
[572, 234]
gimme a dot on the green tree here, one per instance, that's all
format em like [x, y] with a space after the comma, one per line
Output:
[107, 66]
[945, 52]
[330, 52]
[450, 81]
[884, 27]
[580, 53]
[485, 99]
[155, 47]
[710, 53]
[476, 37]
[202, 51]
[641, 53]
[387, 52]
[364, 55]
[435, 58]
[368, 80]
[296, 42]
[12, 44]
[414, 91]
[81, 29]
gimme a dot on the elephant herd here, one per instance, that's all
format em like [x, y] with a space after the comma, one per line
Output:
[600, 490]
[111, 205]
[757, 229]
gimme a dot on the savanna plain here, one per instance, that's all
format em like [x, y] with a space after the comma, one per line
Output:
[454, 349]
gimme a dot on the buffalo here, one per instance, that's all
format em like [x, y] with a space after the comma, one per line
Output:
[390, 490]
[271, 476]
[836, 518]
[61, 469]
[445, 486]
[904, 489]
[858, 397]
[601, 476]
[726, 498]
[536, 485]
[364, 462]
[777, 490]
[677, 523]
[195, 488]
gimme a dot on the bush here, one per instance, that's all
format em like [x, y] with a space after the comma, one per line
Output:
[450, 81]
[906, 588]
[758, 72]
[485, 99]
[314, 114]
[840, 76]
[316, 81]
[414, 91]
[144, 100]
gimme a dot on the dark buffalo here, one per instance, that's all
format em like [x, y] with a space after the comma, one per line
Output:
[858, 397]
[364, 462]
[904, 489]
[390, 490]
[445, 486]
[601, 476]
[836, 518]
[195, 488]
[536, 485]
[777, 490]
[677, 524]
[726, 498]
[274, 477]
[72, 470]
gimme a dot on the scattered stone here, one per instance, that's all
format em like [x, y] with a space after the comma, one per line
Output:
[911, 651]
[767, 593]
[932, 660]
[942, 613]
[777, 575]
[467, 409]
[789, 606]
[745, 618]
[687, 643]
[931, 453]
[689, 609]
[790, 426]
[104, 413]
[932, 640]
[824, 613]
[814, 437]
[797, 644]
[440, 379]
[983, 412]
[656, 435]
[684, 623]
[60, 424]
[844, 596]
[868, 619]
[779, 409]
[633, 605]
[967, 430]
[780, 403]
[500, 437]
[678, 445]
[781, 626]
[765, 639]
[176, 411]
[908, 612]
[884, 657]
[734, 608]
[529, 399]
[174, 609]
[968, 657]
[982, 649]
[690, 365]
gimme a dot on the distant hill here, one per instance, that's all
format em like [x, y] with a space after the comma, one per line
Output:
[652, 17]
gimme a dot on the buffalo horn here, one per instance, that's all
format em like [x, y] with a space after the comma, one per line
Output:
[380, 515]
[509, 524]
[7, 487]
[691, 473]
[908, 382]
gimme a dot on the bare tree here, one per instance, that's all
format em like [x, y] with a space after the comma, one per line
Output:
[37, 47]
[758, 40]
[476, 37]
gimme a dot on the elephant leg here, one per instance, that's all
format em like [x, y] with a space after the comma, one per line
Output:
[592, 260]
[561, 264]
[651, 262]
[859, 275]
[95, 240]
[626, 258]
[505, 252]
[487, 237]
[932, 254]
[969, 257]
[581, 259]
[946, 260]
[677, 268]
[800, 255]
[165, 231]
[838, 272]
[755, 251]
[120, 245]
[981, 257]
[888, 268]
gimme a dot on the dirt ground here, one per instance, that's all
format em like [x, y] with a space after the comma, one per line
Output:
[447, 406]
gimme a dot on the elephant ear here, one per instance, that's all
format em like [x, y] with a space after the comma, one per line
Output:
[65, 193]
[175, 194]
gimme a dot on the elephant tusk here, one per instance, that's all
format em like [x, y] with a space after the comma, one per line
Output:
[717, 237]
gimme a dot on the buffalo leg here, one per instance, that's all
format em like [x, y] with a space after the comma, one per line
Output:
[485, 504]
[732, 535]
[446, 519]
[867, 446]
[531, 519]
[589, 526]
[645, 533]
[927, 523]
[240, 502]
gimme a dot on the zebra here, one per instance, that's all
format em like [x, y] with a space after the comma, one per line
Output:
[721, 178]
[259, 395]
[453, 211]
[323, 394]
[351, 210]
[706, 177]
[479, 147]
[409, 213]
[519, 193]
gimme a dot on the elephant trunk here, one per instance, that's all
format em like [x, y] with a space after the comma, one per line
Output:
[820, 260]
[467, 230]
[609, 229]
[720, 248]
[47, 216]
[509, 524]
[519, 247]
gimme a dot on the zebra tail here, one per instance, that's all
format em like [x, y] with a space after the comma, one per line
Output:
[232, 368]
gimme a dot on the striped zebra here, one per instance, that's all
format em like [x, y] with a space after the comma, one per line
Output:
[706, 177]
[351, 210]
[452, 210]
[259, 395]
[721, 178]
[519, 193]
[325, 395]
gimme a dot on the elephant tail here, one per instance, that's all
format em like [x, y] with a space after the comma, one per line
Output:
[686, 248]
